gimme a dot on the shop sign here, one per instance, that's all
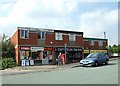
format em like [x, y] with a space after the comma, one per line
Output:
[93, 51]
[37, 48]
[59, 49]
[86, 51]
[68, 49]
[77, 49]
[48, 49]
[24, 48]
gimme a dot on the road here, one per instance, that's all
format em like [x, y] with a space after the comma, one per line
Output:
[105, 74]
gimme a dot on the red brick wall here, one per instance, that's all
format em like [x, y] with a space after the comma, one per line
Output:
[32, 40]
[86, 44]
[96, 45]
[14, 38]
[79, 41]
[51, 38]
[105, 44]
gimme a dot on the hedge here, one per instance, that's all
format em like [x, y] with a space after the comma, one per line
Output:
[7, 63]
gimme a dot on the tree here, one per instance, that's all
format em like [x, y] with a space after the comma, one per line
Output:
[8, 49]
[114, 48]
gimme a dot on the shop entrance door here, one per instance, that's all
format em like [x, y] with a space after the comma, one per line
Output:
[45, 58]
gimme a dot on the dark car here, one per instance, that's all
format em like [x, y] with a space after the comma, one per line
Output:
[95, 59]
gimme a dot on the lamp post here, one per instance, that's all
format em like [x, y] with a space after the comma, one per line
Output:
[65, 50]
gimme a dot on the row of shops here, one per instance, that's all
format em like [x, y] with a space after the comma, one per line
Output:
[48, 55]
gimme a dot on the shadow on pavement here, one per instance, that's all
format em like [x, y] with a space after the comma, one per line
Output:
[76, 66]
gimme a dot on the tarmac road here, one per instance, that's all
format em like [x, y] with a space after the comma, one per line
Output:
[106, 74]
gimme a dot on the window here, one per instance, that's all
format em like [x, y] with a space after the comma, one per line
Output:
[41, 35]
[24, 33]
[72, 37]
[100, 43]
[92, 42]
[58, 36]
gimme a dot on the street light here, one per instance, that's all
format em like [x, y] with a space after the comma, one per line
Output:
[65, 50]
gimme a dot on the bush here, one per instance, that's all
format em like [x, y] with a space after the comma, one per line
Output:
[7, 63]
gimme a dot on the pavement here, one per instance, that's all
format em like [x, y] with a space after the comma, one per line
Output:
[42, 68]
[31, 69]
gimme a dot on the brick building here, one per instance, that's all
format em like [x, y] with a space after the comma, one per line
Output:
[43, 45]
[94, 45]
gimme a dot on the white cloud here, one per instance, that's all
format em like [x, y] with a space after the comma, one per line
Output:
[34, 13]
[56, 14]
[95, 23]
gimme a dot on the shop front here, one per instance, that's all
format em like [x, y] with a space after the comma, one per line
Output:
[72, 53]
[49, 51]
[35, 55]
[24, 54]
[86, 52]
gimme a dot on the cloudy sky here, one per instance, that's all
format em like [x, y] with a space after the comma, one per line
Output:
[91, 17]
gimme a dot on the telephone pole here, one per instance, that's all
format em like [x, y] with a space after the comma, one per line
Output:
[104, 35]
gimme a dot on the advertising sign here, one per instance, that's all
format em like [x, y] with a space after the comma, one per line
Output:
[37, 48]
[22, 62]
[31, 62]
[67, 49]
[24, 48]
[93, 51]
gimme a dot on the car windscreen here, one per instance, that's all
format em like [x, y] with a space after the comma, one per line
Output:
[92, 55]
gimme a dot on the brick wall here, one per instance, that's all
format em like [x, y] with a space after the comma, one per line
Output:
[31, 40]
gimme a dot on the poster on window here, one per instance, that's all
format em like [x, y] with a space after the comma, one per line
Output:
[22, 62]
[24, 54]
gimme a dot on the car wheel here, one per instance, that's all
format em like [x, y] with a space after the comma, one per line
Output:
[106, 62]
[96, 64]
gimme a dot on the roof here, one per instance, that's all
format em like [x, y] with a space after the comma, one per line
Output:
[45, 29]
[65, 31]
[95, 39]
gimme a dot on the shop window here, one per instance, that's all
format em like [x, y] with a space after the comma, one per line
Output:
[41, 35]
[72, 37]
[58, 36]
[24, 33]
[24, 55]
[36, 55]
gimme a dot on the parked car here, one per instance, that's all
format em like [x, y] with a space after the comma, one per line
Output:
[95, 59]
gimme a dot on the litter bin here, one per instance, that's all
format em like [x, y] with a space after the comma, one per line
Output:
[26, 62]
[31, 62]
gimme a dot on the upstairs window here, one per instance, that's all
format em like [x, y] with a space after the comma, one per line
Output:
[41, 35]
[100, 43]
[58, 36]
[72, 37]
[92, 42]
[24, 33]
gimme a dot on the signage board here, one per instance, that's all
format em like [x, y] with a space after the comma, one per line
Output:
[67, 49]
[31, 62]
[37, 48]
[48, 48]
[93, 51]
[24, 48]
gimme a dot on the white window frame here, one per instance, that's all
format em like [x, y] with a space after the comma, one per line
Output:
[92, 42]
[41, 35]
[25, 36]
[100, 43]
[72, 37]
[58, 36]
